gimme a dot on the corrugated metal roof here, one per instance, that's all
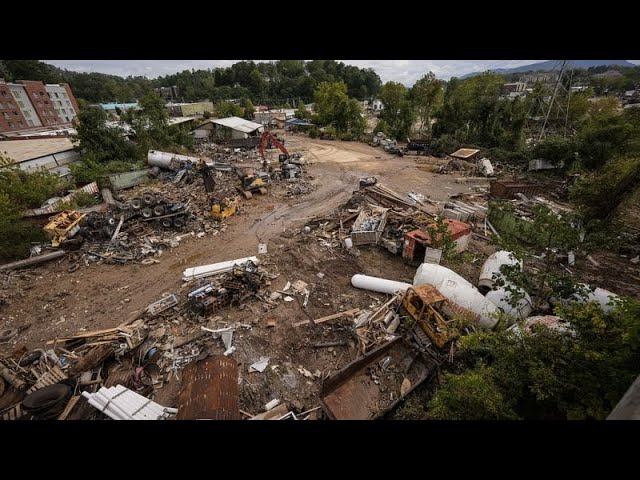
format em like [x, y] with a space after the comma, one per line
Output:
[177, 120]
[464, 153]
[237, 123]
[23, 150]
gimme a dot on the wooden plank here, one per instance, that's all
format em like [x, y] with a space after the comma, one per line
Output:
[69, 407]
[335, 316]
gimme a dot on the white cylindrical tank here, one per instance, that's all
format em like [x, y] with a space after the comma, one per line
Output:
[163, 159]
[433, 274]
[604, 297]
[376, 284]
[500, 298]
[492, 265]
[466, 299]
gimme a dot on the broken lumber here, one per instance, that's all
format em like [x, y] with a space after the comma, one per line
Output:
[13, 380]
[95, 356]
[330, 344]
[335, 316]
[69, 407]
[188, 339]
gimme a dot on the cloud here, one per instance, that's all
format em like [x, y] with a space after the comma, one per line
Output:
[403, 71]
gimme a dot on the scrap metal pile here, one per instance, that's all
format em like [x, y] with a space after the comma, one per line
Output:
[135, 359]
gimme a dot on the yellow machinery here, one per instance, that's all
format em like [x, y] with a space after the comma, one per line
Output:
[222, 209]
[430, 309]
[63, 226]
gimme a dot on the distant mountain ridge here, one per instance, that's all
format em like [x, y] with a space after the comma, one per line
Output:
[551, 64]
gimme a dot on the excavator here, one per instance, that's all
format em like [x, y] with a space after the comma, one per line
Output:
[270, 140]
[288, 163]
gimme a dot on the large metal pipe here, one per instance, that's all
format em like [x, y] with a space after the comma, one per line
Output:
[216, 268]
[168, 161]
[467, 300]
[28, 262]
[433, 274]
[501, 298]
[462, 295]
[376, 284]
[492, 267]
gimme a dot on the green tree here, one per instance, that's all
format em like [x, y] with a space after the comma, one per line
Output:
[599, 195]
[334, 107]
[555, 149]
[397, 112]
[550, 374]
[228, 109]
[471, 395]
[302, 112]
[20, 190]
[427, 96]
[99, 143]
[249, 109]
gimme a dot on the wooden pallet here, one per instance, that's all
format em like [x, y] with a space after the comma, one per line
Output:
[13, 413]
[53, 376]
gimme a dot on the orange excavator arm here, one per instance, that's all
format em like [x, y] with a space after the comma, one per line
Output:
[266, 135]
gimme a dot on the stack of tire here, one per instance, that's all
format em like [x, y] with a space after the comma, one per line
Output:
[149, 206]
[97, 223]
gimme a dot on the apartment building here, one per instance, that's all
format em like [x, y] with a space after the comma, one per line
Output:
[29, 104]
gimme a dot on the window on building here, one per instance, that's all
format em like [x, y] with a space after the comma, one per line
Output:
[46, 102]
[10, 124]
[57, 95]
[21, 103]
[10, 105]
[27, 113]
[1, 106]
[64, 95]
[68, 103]
[5, 114]
[44, 113]
[30, 122]
[63, 111]
[67, 119]
[35, 94]
[4, 93]
[42, 94]
[59, 103]
[20, 124]
[15, 113]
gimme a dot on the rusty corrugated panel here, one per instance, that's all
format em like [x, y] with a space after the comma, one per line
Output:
[210, 390]
[507, 190]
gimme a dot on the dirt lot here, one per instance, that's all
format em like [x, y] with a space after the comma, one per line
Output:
[54, 303]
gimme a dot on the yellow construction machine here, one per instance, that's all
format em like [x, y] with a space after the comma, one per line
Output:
[63, 226]
[432, 312]
[224, 208]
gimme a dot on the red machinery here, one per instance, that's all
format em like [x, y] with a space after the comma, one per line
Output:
[268, 137]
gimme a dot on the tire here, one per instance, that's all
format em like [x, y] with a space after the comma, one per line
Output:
[111, 221]
[108, 231]
[167, 223]
[147, 212]
[148, 198]
[46, 398]
[179, 222]
[136, 203]
[98, 223]
[7, 335]
[158, 210]
[91, 219]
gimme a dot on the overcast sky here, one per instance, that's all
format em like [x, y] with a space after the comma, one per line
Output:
[404, 71]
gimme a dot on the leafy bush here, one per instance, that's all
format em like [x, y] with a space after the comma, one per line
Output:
[89, 171]
[29, 190]
[314, 132]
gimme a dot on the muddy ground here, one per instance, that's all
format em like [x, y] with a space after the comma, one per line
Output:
[48, 302]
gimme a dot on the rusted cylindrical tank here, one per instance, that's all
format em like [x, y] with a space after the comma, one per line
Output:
[210, 390]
